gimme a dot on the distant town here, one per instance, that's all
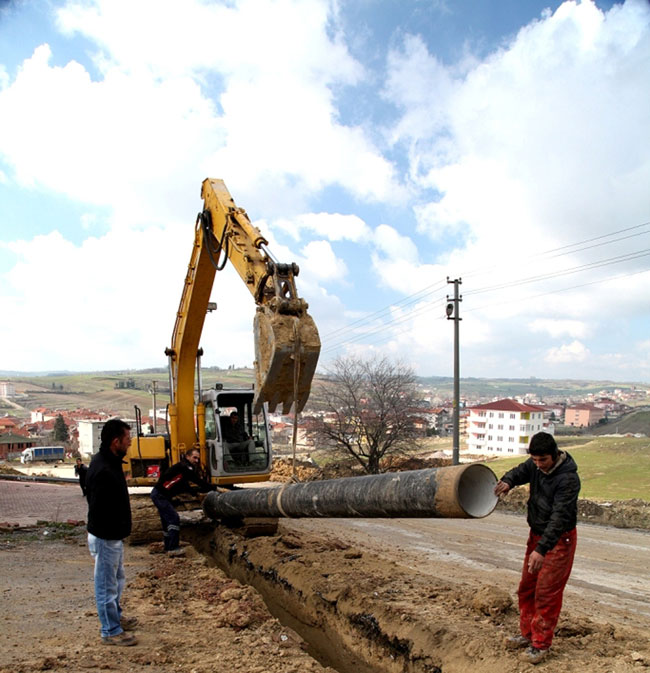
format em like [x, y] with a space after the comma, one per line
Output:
[489, 424]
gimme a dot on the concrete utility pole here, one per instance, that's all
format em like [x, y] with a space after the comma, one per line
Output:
[155, 411]
[453, 306]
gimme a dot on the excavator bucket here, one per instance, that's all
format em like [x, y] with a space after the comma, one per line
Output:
[286, 353]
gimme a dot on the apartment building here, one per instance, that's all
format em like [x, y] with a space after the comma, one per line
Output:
[583, 415]
[90, 435]
[503, 427]
[7, 389]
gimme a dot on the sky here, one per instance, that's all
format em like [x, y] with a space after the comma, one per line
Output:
[385, 146]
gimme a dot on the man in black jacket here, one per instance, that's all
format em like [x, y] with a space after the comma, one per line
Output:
[552, 517]
[177, 479]
[109, 522]
[80, 471]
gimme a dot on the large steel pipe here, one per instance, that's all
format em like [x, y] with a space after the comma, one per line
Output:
[461, 492]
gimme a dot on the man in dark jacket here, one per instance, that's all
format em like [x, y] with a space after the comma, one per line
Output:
[552, 517]
[80, 471]
[177, 479]
[109, 522]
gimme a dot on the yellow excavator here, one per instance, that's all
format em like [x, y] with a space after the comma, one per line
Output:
[287, 347]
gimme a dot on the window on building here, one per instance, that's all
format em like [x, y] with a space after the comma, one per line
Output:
[491, 414]
[512, 416]
[499, 427]
[511, 439]
[511, 450]
[511, 428]
[500, 414]
[499, 438]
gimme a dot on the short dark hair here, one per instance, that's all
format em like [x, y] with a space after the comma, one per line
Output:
[113, 429]
[543, 444]
[234, 413]
[191, 450]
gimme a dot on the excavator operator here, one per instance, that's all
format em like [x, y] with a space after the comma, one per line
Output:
[237, 441]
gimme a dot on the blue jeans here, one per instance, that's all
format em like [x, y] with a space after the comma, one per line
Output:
[171, 523]
[109, 582]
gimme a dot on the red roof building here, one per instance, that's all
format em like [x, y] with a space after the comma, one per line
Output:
[503, 427]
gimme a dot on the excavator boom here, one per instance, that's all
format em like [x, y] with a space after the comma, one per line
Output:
[287, 344]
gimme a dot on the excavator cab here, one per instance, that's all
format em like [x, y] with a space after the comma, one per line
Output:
[237, 439]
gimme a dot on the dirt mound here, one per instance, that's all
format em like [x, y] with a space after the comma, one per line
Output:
[6, 469]
[305, 471]
[348, 467]
[619, 513]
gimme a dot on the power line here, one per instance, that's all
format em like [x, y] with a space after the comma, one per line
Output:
[562, 250]
[413, 298]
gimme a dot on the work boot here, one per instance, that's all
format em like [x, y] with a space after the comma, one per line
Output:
[121, 640]
[517, 642]
[176, 552]
[128, 623]
[533, 655]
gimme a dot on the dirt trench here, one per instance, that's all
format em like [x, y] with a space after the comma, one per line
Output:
[362, 613]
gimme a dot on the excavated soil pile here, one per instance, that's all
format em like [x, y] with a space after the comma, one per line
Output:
[308, 471]
[618, 513]
[6, 469]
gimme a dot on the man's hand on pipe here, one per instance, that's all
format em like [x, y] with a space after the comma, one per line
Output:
[501, 488]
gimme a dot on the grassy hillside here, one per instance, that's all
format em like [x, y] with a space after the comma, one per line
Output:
[635, 423]
[610, 468]
[98, 390]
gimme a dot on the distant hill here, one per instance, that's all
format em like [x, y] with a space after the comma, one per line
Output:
[543, 389]
[117, 392]
[636, 422]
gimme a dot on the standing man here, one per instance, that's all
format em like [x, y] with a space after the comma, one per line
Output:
[109, 522]
[552, 517]
[80, 471]
[174, 481]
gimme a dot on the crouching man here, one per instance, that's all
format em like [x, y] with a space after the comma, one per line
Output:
[174, 481]
[552, 517]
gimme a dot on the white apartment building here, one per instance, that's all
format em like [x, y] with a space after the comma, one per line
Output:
[90, 435]
[503, 427]
[7, 389]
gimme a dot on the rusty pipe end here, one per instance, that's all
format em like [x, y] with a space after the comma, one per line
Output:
[466, 491]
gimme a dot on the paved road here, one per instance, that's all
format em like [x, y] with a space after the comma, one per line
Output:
[25, 503]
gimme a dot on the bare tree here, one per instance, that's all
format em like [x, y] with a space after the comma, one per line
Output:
[368, 406]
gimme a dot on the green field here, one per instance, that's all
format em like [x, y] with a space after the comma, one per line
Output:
[610, 468]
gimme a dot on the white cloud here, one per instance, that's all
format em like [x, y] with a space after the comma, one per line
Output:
[277, 62]
[542, 136]
[334, 226]
[322, 262]
[567, 353]
[390, 242]
[558, 328]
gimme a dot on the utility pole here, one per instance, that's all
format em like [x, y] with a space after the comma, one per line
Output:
[155, 411]
[453, 306]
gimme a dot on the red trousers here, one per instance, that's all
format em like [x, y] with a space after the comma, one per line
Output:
[540, 595]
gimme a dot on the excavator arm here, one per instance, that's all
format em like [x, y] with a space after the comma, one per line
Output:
[287, 344]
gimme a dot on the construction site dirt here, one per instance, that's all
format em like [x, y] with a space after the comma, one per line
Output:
[348, 595]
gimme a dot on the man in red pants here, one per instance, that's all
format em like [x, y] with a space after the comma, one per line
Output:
[552, 516]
